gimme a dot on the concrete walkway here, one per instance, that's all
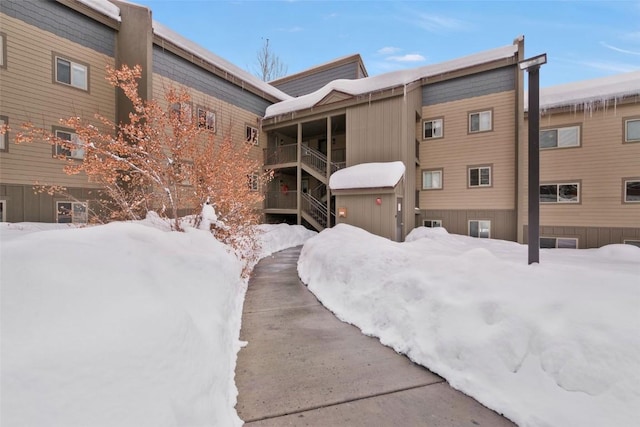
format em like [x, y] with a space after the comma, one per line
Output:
[304, 367]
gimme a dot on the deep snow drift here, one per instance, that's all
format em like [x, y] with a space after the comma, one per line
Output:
[125, 324]
[554, 344]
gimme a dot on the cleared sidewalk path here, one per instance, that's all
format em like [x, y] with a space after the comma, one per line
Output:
[304, 367]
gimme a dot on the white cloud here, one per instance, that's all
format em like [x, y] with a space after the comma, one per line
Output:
[410, 57]
[617, 49]
[388, 50]
[616, 67]
[436, 24]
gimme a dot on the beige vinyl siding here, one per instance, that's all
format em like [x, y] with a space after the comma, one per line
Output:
[599, 164]
[29, 94]
[363, 212]
[457, 150]
[229, 118]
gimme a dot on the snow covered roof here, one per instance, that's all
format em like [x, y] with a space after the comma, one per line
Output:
[388, 80]
[589, 91]
[194, 48]
[104, 7]
[367, 175]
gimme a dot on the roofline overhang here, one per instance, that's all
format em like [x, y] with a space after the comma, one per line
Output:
[212, 68]
[91, 13]
[579, 106]
[365, 191]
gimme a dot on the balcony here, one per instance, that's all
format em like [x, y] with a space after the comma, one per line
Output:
[281, 154]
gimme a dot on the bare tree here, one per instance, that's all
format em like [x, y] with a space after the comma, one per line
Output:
[270, 66]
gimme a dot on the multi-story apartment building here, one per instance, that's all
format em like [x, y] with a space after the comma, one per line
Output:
[53, 66]
[589, 164]
[459, 128]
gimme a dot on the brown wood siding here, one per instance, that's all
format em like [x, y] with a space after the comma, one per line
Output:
[229, 118]
[600, 164]
[588, 237]
[458, 149]
[503, 222]
[29, 94]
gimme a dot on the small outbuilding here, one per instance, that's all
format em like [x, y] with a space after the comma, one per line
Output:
[369, 196]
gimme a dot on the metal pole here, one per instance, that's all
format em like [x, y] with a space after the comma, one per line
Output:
[534, 165]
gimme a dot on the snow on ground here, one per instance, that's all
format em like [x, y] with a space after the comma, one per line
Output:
[551, 344]
[125, 324]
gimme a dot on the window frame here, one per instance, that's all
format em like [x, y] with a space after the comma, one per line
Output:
[204, 124]
[4, 138]
[577, 126]
[432, 120]
[632, 242]
[3, 210]
[54, 59]
[3, 50]
[557, 242]
[432, 221]
[479, 167]
[479, 228]
[625, 129]
[440, 171]
[72, 212]
[624, 190]
[578, 183]
[254, 182]
[479, 113]
[55, 147]
[251, 134]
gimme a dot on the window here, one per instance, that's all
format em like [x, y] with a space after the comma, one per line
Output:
[71, 212]
[3, 210]
[3, 50]
[480, 176]
[632, 130]
[252, 135]
[626, 242]
[560, 193]
[432, 223]
[560, 137]
[71, 73]
[480, 228]
[558, 243]
[72, 150]
[207, 119]
[182, 111]
[432, 129]
[253, 182]
[632, 190]
[480, 121]
[4, 133]
[432, 179]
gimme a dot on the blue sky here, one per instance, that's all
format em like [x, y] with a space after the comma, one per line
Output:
[583, 39]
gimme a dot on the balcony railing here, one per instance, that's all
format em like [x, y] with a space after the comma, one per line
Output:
[280, 200]
[281, 154]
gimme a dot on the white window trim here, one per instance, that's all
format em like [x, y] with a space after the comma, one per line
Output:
[254, 184]
[441, 128]
[73, 203]
[77, 154]
[3, 217]
[624, 190]
[207, 114]
[439, 171]
[432, 221]
[252, 135]
[633, 242]
[4, 137]
[557, 241]
[626, 130]
[72, 64]
[480, 184]
[560, 130]
[479, 114]
[558, 201]
[3, 50]
[478, 221]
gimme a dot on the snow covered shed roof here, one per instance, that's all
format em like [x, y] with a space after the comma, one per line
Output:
[388, 80]
[368, 175]
[587, 92]
[195, 49]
